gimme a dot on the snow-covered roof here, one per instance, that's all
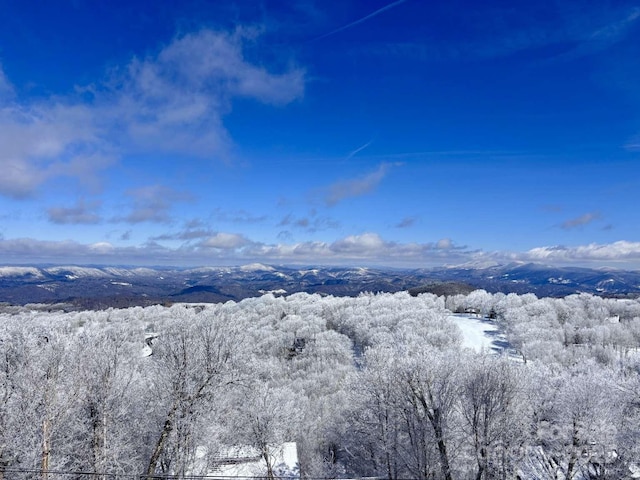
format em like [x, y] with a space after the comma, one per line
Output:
[243, 461]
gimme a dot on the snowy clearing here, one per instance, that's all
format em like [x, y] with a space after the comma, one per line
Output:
[247, 462]
[481, 334]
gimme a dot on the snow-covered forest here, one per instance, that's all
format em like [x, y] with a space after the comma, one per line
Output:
[377, 385]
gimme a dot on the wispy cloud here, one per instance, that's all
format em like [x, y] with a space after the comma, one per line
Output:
[173, 102]
[185, 235]
[633, 144]
[152, 203]
[237, 216]
[46, 141]
[195, 232]
[311, 224]
[612, 32]
[353, 153]
[7, 90]
[552, 208]
[356, 187]
[406, 222]
[580, 221]
[362, 19]
[572, 31]
[81, 213]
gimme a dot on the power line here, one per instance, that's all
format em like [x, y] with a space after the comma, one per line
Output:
[144, 476]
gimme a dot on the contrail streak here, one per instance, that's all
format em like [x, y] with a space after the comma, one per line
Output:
[359, 149]
[360, 20]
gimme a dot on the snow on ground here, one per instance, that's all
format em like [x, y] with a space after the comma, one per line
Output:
[73, 272]
[313, 271]
[481, 334]
[245, 462]
[256, 267]
[147, 349]
[19, 272]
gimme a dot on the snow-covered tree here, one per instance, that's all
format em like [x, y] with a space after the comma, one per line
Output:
[494, 412]
[191, 363]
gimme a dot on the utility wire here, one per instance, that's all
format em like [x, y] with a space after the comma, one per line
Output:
[144, 476]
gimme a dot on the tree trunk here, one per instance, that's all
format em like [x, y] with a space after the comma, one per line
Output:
[387, 461]
[575, 443]
[436, 422]
[267, 459]
[46, 449]
[482, 463]
[160, 444]
[97, 431]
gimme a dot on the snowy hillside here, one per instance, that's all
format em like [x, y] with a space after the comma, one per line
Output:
[352, 384]
[103, 287]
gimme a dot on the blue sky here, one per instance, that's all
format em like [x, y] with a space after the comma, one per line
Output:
[400, 133]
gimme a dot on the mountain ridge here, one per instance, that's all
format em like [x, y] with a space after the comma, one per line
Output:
[94, 286]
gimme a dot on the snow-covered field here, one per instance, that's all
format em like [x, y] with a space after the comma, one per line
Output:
[481, 334]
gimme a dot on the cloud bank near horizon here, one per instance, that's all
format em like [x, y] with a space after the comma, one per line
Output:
[367, 249]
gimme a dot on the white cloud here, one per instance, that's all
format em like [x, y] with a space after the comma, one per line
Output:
[621, 251]
[232, 248]
[580, 221]
[6, 88]
[152, 203]
[368, 249]
[310, 224]
[356, 187]
[633, 144]
[226, 241]
[175, 101]
[237, 216]
[30, 250]
[172, 102]
[19, 177]
[364, 244]
[101, 248]
[406, 222]
[444, 244]
[81, 213]
[45, 141]
[211, 61]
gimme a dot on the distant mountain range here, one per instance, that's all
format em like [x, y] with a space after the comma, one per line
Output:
[102, 287]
